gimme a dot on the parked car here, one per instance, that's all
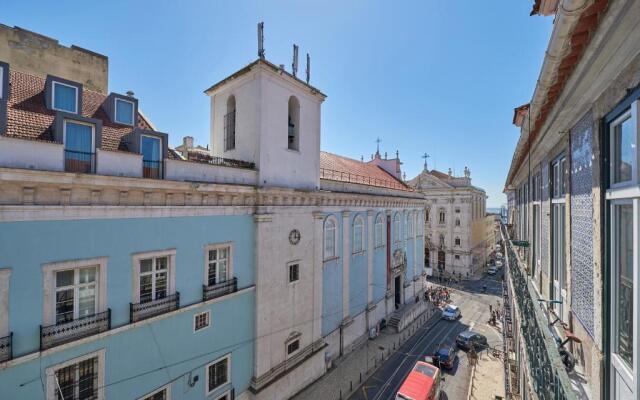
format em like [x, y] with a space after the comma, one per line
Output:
[468, 339]
[445, 356]
[492, 270]
[451, 312]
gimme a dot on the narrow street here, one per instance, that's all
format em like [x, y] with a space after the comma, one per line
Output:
[386, 381]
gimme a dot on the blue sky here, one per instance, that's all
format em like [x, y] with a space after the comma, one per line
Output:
[440, 77]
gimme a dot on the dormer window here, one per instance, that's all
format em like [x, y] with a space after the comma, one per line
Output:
[151, 156]
[79, 146]
[4, 81]
[65, 97]
[124, 111]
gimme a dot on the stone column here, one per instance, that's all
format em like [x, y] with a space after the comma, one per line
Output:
[370, 250]
[318, 281]
[346, 258]
[263, 328]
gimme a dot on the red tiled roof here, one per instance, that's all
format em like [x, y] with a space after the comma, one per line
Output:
[29, 118]
[342, 169]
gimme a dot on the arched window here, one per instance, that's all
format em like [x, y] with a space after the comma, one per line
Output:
[457, 241]
[457, 221]
[441, 241]
[396, 228]
[293, 132]
[379, 228]
[441, 216]
[330, 238]
[358, 235]
[426, 215]
[230, 124]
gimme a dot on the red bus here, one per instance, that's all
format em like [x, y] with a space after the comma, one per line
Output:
[422, 383]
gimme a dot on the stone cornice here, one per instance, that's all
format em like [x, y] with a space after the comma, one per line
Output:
[90, 195]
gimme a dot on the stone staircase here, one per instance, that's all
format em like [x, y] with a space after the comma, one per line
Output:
[403, 316]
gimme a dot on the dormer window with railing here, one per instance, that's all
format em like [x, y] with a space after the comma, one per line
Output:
[63, 95]
[151, 157]
[79, 147]
[230, 124]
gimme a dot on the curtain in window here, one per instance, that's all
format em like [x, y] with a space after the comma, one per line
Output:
[64, 98]
[79, 138]
[124, 112]
[150, 148]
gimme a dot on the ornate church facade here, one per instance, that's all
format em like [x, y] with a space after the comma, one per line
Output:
[454, 222]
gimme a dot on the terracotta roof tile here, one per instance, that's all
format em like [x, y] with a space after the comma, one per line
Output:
[29, 118]
[342, 169]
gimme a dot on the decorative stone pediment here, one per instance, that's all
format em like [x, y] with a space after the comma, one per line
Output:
[399, 260]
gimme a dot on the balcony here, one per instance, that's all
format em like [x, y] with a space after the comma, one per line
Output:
[54, 335]
[219, 289]
[6, 348]
[152, 169]
[545, 368]
[141, 311]
[79, 161]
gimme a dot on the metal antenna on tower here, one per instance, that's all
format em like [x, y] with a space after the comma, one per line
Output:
[308, 68]
[425, 156]
[261, 40]
[294, 64]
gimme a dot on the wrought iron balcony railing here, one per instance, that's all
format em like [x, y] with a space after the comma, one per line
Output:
[544, 365]
[140, 311]
[79, 161]
[219, 289]
[152, 169]
[54, 335]
[6, 348]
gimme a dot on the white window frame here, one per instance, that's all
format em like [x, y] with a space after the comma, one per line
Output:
[632, 114]
[223, 394]
[74, 121]
[171, 271]
[358, 245]
[334, 251]
[296, 336]
[5, 277]
[379, 231]
[133, 111]
[195, 317]
[50, 372]
[208, 391]
[166, 387]
[53, 96]
[159, 146]
[218, 246]
[442, 217]
[49, 271]
[560, 284]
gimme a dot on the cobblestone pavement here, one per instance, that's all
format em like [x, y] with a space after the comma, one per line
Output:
[356, 366]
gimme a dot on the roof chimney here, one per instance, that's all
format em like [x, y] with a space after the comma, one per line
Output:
[130, 93]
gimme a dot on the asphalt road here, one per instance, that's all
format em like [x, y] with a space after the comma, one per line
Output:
[474, 305]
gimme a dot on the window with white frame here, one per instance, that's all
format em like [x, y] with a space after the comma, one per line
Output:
[124, 111]
[396, 228]
[74, 289]
[294, 272]
[358, 234]
[623, 205]
[160, 394]
[559, 272]
[65, 97]
[330, 238]
[230, 124]
[218, 374]
[379, 230]
[218, 268]
[81, 378]
[201, 320]
[154, 275]
[79, 146]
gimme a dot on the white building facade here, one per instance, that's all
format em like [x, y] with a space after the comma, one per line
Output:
[454, 222]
